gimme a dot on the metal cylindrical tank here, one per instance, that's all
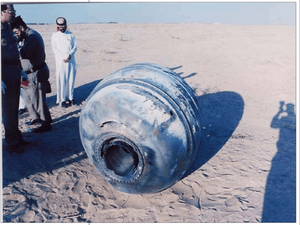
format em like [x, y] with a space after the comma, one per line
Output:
[140, 127]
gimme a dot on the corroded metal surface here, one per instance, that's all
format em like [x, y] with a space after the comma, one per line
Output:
[140, 127]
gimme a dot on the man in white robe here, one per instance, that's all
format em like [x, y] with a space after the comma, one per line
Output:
[64, 48]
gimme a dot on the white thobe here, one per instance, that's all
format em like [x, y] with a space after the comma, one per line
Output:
[22, 104]
[63, 45]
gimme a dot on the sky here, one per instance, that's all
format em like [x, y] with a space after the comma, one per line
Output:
[239, 13]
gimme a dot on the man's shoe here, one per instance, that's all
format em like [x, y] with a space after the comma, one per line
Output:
[64, 105]
[43, 128]
[33, 122]
[23, 142]
[73, 102]
[22, 111]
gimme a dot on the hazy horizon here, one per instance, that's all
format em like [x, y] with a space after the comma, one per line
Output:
[238, 13]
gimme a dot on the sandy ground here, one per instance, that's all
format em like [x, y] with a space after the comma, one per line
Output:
[245, 168]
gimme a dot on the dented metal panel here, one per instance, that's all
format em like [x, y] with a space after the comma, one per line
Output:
[141, 128]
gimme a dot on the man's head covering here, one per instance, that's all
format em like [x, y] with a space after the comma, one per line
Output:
[17, 22]
[5, 6]
[290, 107]
[61, 22]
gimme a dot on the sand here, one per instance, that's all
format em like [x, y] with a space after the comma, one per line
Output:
[245, 168]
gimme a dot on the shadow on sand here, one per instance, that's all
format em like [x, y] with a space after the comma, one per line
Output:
[50, 150]
[220, 115]
[80, 93]
[280, 192]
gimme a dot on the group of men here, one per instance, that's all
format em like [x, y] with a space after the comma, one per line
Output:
[23, 67]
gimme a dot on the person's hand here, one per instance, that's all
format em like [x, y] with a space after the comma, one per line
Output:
[24, 75]
[281, 110]
[68, 59]
[3, 86]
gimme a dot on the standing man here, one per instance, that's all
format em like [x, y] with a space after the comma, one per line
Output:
[32, 51]
[64, 48]
[11, 78]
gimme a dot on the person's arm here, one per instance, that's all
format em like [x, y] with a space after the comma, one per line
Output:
[73, 44]
[276, 123]
[73, 49]
[30, 44]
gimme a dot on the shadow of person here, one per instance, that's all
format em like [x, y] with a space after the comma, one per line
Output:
[49, 150]
[280, 191]
[220, 115]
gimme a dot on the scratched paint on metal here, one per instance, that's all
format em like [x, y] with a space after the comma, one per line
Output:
[150, 108]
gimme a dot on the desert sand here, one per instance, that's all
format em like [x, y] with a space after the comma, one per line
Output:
[245, 168]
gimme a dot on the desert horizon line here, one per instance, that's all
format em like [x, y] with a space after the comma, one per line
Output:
[212, 23]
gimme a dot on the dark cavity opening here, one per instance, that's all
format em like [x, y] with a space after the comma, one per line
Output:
[123, 160]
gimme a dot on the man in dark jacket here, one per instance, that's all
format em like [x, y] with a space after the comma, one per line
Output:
[11, 78]
[32, 51]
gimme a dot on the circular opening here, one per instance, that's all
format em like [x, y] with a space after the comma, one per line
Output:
[121, 158]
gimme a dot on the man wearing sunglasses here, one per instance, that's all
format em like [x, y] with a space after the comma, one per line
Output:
[64, 47]
[11, 74]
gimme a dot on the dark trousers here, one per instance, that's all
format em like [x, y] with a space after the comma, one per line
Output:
[35, 95]
[10, 104]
